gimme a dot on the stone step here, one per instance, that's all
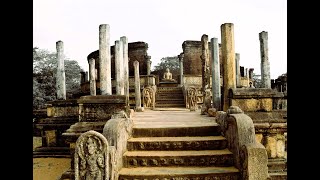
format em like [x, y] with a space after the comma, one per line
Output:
[278, 176]
[177, 143]
[277, 165]
[181, 173]
[169, 91]
[220, 158]
[168, 101]
[169, 105]
[171, 95]
[53, 149]
[54, 154]
[174, 130]
[169, 88]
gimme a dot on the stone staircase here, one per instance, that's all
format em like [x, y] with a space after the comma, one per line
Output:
[277, 169]
[177, 148]
[169, 97]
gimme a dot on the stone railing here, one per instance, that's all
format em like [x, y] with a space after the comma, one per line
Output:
[92, 156]
[250, 156]
[117, 131]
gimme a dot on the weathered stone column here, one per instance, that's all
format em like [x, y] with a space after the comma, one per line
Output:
[247, 76]
[228, 55]
[148, 65]
[251, 73]
[60, 77]
[92, 72]
[124, 40]
[265, 64]
[137, 86]
[216, 88]
[86, 76]
[238, 75]
[82, 77]
[105, 59]
[181, 56]
[205, 64]
[119, 67]
[148, 69]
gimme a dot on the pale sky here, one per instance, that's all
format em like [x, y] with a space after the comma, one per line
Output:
[164, 25]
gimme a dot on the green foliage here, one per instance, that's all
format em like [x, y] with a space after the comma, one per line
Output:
[44, 77]
[168, 62]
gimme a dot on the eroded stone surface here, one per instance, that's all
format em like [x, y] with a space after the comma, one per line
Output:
[91, 157]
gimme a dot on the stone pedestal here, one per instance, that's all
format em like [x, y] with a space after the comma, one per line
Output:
[100, 107]
[168, 83]
[61, 114]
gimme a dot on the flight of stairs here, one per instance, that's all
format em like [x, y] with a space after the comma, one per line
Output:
[169, 97]
[177, 151]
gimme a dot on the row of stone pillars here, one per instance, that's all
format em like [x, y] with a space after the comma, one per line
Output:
[121, 68]
[121, 65]
[231, 65]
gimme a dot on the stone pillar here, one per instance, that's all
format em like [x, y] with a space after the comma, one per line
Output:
[60, 77]
[124, 40]
[216, 88]
[148, 69]
[251, 73]
[86, 76]
[119, 67]
[205, 64]
[83, 77]
[92, 72]
[228, 55]
[181, 56]
[148, 65]
[238, 75]
[137, 86]
[105, 60]
[247, 76]
[265, 64]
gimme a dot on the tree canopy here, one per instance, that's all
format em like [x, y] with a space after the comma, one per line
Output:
[168, 62]
[44, 77]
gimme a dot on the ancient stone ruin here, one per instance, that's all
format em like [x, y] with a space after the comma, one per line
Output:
[211, 122]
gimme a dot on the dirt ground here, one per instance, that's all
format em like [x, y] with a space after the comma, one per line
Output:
[48, 168]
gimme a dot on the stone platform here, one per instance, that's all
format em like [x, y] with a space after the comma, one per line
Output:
[168, 84]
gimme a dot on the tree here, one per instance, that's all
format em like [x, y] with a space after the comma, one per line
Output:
[256, 80]
[44, 77]
[168, 62]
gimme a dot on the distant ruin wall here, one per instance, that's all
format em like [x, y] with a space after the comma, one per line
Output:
[137, 52]
[192, 62]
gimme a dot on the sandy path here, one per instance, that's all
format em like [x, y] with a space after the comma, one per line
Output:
[49, 168]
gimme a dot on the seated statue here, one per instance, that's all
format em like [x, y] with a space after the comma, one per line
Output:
[167, 76]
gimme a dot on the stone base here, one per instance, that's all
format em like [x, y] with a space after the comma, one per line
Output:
[168, 84]
[139, 109]
[51, 152]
